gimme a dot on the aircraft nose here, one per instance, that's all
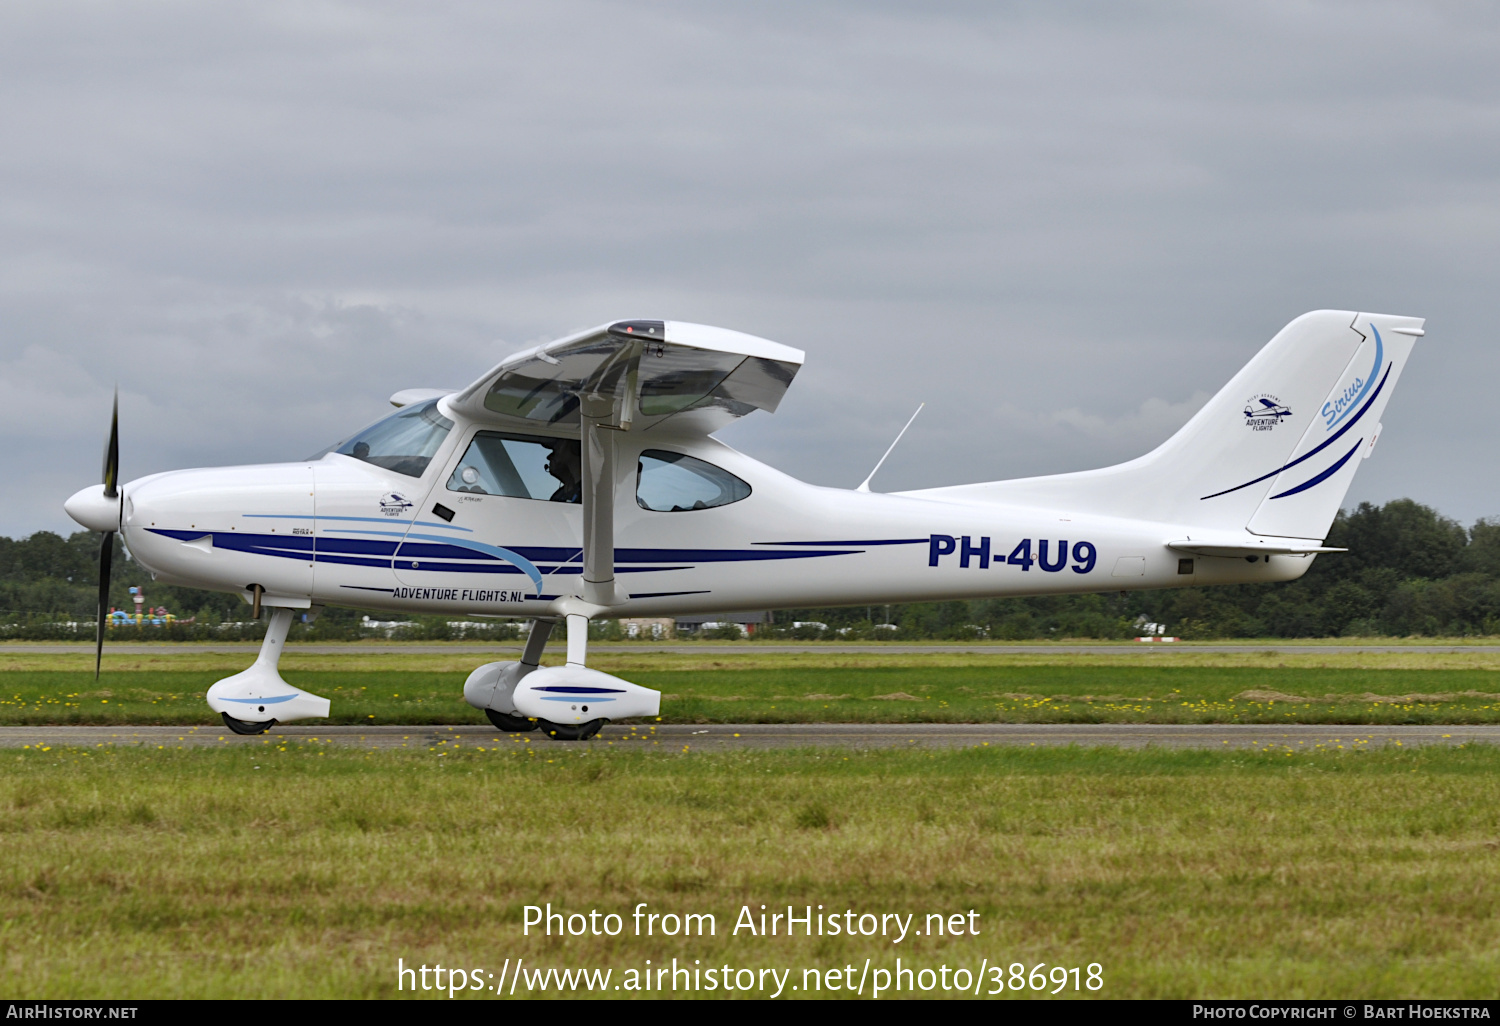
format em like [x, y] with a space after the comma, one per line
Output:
[93, 509]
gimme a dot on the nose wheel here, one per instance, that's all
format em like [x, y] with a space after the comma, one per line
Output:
[247, 726]
[570, 731]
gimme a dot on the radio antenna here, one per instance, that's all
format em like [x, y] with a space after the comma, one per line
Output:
[865, 485]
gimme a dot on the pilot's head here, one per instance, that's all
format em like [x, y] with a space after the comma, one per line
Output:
[565, 459]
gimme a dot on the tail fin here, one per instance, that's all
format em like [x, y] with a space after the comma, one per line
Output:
[1273, 453]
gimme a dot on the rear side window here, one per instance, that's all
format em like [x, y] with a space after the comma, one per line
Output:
[521, 466]
[669, 482]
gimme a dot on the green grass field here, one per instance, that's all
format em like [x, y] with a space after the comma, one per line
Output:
[1181, 686]
[303, 870]
[297, 868]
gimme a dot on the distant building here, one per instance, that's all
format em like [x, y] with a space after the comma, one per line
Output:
[745, 621]
[655, 627]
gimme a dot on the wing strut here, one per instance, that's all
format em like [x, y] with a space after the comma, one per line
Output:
[596, 412]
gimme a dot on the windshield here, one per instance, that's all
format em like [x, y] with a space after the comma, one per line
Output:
[403, 442]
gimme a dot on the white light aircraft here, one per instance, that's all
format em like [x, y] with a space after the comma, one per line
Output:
[580, 479]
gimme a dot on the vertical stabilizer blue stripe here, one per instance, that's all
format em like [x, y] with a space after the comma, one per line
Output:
[1305, 485]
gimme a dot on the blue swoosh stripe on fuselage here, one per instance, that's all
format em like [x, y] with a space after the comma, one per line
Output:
[504, 568]
[555, 554]
[362, 520]
[1305, 485]
[1313, 452]
[716, 555]
[574, 689]
[358, 552]
[323, 557]
[881, 541]
[426, 550]
[362, 546]
[665, 594]
[380, 553]
[290, 546]
[470, 548]
[457, 548]
[445, 548]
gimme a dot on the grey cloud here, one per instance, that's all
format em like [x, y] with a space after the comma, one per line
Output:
[1060, 226]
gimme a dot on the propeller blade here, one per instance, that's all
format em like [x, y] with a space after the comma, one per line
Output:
[112, 452]
[106, 557]
[107, 548]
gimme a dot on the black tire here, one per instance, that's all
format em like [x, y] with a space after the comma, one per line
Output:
[509, 722]
[247, 726]
[570, 731]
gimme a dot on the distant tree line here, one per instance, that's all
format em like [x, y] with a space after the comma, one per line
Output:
[1408, 571]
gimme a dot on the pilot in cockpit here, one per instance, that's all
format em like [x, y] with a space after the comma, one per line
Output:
[566, 464]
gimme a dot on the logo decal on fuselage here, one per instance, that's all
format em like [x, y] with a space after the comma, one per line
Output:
[394, 504]
[1263, 412]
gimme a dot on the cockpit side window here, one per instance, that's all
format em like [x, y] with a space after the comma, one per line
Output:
[669, 482]
[403, 442]
[520, 466]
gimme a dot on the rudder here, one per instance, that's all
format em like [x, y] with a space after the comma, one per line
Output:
[1308, 489]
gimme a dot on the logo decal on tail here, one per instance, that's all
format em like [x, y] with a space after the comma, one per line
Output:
[1320, 447]
[1263, 412]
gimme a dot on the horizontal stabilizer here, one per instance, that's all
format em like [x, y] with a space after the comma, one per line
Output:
[1256, 547]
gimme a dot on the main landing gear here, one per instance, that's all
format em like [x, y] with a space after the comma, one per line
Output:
[514, 724]
[510, 722]
[563, 702]
[494, 684]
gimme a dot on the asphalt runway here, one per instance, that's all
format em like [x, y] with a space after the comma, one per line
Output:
[751, 736]
[641, 648]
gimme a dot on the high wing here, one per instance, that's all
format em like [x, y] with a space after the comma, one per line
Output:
[692, 376]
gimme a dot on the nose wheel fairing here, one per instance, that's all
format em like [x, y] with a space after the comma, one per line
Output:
[258, 697]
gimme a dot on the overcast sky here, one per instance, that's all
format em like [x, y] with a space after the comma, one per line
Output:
[1063, 226]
